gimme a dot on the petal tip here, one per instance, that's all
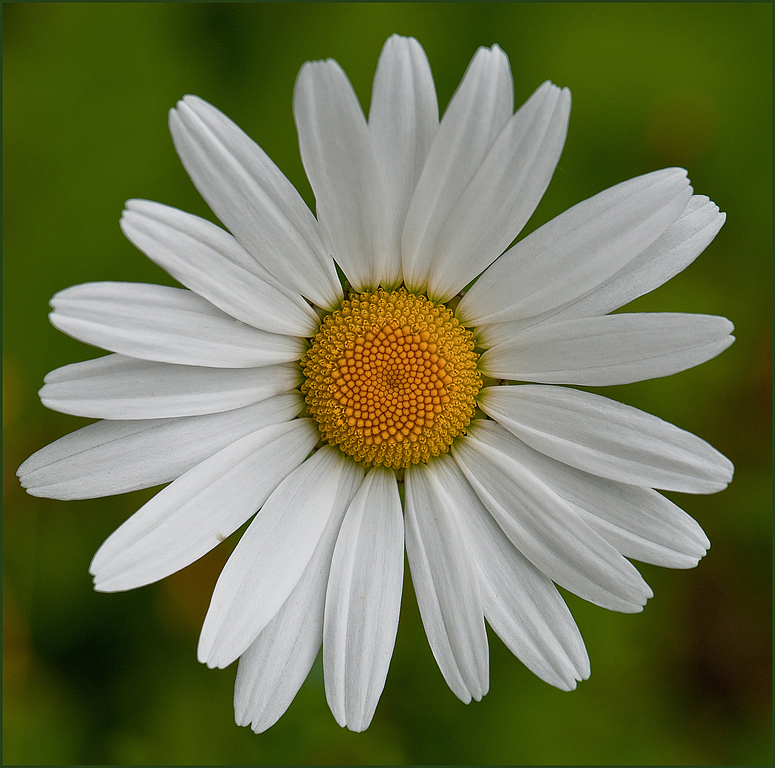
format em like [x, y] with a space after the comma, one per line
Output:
[103, 585]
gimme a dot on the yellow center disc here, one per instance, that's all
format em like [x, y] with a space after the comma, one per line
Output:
[391, 378]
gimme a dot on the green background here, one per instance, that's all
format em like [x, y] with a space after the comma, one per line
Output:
[95, 678]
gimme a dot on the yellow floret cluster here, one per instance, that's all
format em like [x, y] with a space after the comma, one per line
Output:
[391, 378]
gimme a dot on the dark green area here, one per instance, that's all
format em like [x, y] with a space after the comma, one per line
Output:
[113, 679]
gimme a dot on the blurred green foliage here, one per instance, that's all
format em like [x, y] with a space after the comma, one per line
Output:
[110, 679]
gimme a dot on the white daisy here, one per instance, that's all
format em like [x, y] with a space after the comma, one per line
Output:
[355, 415]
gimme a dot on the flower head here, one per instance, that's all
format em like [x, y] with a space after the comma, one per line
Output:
[360, 416]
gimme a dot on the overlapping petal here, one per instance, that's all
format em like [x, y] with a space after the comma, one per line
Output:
[257, 203]
[274, 667]
[504, 192]
[578, 250]
[521, 604]
[669, 254]
[351, 194]
[209, 261]
[363, 600]
[118, 387]
[111, 457]
[446, 583]
[167, 325]
[481, 106]
[607, 438]
[178, 526]
[270, 557]
[546, 530]
[638, 521]
[613, 349]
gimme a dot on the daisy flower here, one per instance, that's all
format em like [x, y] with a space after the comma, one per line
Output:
[386, 374]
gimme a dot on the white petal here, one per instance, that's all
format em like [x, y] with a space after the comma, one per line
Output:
[210, 262]
[403, 119]
[639, 522]
[606, 438]
[614, 349]
[503, 194]
[201, 508]
[446, 583]
[671, 253]
[479, 109]
[118, 387]
[520, 603]
[112, 457]
[273, 669]
[346, 176]
[650, 529]
[547, 531]
[270, 558]
[578, 250]
[254, 200]
[168, 325]
[363, 601]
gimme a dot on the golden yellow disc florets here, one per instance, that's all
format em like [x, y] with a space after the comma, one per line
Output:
[391, 378]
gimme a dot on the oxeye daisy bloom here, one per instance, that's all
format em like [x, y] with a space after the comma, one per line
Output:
[387, 374]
